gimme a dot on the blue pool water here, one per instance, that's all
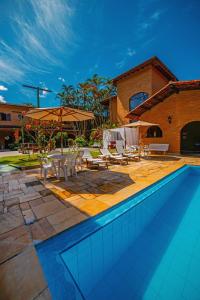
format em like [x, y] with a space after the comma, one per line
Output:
[148, 247]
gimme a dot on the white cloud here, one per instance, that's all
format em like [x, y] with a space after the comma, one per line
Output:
[10, 70]
[61, 79]
[43, 94]
[156, 15]
[3, 88]
[131, 52]
[145, 25]
[39, 38]
[2, 99]
[146, 21]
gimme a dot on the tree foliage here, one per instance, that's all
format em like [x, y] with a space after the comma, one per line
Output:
[88, 95]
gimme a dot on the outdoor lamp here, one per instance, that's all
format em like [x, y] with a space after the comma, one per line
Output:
[169, 119]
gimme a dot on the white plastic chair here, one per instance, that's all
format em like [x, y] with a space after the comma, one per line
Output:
[86, 154]
[79, 160]
[45, 167]
[70, 165]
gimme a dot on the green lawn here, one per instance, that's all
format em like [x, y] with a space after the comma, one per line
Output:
[29, 161]
[20, 160]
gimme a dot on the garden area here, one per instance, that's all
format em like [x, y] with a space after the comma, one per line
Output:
[38, 137]
[30, 161]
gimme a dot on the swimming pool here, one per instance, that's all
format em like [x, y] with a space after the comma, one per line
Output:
[147, 247]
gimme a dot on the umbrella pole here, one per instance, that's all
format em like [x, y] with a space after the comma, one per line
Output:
[139, 142]
[61, 131]
[124, 138]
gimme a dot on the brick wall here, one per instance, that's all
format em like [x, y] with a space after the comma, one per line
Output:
[147, 80]
[113, 111]
[184, 108]
[158, 80]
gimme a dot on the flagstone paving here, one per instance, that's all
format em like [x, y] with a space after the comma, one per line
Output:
[31, 212]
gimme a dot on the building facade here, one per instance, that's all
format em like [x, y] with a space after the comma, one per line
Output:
[151, 92]
[10, 123]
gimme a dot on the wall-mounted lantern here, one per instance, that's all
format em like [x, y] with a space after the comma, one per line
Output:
[169, 119]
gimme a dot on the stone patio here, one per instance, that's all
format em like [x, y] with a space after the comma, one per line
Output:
[31, 212]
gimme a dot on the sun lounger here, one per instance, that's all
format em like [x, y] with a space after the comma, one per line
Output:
[121, 151]
[114, 158]
[91, 162]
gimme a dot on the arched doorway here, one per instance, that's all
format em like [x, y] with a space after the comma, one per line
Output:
[190, 138]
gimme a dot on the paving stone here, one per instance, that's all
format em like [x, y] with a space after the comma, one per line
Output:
[11, 201]
[14, 194]
[37, 232]
[22, 185]
[33, 183]
[66, 194]
[46, 227]
[62, 215]
[15, 210]
[41, 230]
[28, 190]
[29, 197]
[48, 208]
[49, 198]
[67, 222]
[14, 242]
[1, 208]
[39, 188]
[9, 221]
[27, 179]
[29, 217]
[13, 185]
[1, 197]
[36, 202]
[24, 206]
[21, 277]
[45, 193]
[88, 196]
[73, 198]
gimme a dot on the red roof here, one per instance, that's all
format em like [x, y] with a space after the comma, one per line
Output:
[166, 91]
[154, 61]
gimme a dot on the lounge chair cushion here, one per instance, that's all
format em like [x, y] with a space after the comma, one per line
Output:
[159, 147]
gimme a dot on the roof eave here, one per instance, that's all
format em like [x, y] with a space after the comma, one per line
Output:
[165, 92]
[156, 62]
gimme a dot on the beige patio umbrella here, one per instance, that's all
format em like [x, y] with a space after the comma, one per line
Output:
[139, 124]
[60, 114]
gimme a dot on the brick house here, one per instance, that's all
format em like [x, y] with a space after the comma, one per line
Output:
[10, 123]
[151, 92]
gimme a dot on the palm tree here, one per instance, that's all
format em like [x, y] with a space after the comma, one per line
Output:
[67, 95]
[88, 95]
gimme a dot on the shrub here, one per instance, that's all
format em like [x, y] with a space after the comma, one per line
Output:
[96, 135]
[13, 146]
[71, 142]
[81, 141]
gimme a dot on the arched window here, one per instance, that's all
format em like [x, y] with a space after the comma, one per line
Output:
[154, 131]
[137, 99]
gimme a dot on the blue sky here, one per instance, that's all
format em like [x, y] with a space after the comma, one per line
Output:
[48, 42]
